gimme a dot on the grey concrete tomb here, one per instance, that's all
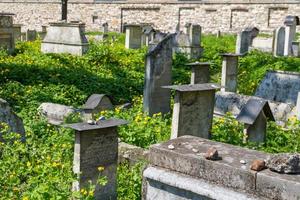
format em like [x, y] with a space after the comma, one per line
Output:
[183, 173]
[97, 146]
[229, 72]
[254, 115]
[158, 73]
[193, 109]
[133, 38]
[63, 37]
[7, 39]
[200, 72]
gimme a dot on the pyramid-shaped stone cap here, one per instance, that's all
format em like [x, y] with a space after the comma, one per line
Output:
[252, 109]
[194, 87]
[84, 126]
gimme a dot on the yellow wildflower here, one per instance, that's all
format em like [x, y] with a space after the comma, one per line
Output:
[100, 168]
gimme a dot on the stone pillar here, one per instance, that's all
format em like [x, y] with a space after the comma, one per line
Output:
[298, 106]
[158, 73]
[229, 72]
[97, 145]
[278, 43]
[200, 72]
[290, 33]
[193, 109]
[133, 38]
[7, 40]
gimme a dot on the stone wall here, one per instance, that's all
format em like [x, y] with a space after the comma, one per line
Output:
[213, 15]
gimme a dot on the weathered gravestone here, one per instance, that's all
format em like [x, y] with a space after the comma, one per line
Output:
[229, 72]
[193, 109]
[183, 173]
[31, 35]
[148, 35]
[298, 106]
[279, 40]
[254, 115]
[200, 72]
[290, 33]
[280, 86]
[65, 37]
[295, 49]
[133, 38]
[55, 113]
[264, 44]
[11, 119]
[95, 104]
[245, 39]
[104, 28]
[7, 40]
[17, 31]
[158, 73]
[97, 146]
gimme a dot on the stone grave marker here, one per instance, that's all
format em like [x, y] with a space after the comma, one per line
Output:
[133, 38]
[295, 49]
[280, 86]
[244, 39]
[7, 40]
[97, 146]
[65, 37]
[158, 73]
[200, 72]
[95, 104]
[31, 35]
[104, 28]
[148, 35]
[279, 40]
[290, 33]
[263, 44]
[229, 72]
[193, 109]
[17, 31]
[254, 115]
[14, 122]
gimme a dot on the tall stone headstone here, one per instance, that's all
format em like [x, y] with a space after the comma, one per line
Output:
[193, 109]
[97, 145]
[65, 37]
[298, 106]
[200, 72]
[133, 38]
[17, 31]
[158, 73]
[104, 28]
[290, 33]
[31, 35]
[148, 35]
[295, 49]
[229, 72]
[7, 40]
[279, 40]
[244, 39]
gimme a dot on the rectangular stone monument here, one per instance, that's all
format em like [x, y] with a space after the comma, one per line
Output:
[7, 40]
[229, 72]
[133, 38]
[65, 37]
[290, 33]
[104, 28]
[158, 73]
[193, 109]
[298, 107]
[97, 146]
[148, 35]
[31, 35]
[263, 44]
[295, 49]
[200, 72]
[244, 39]
[17, 31]
[279, 41]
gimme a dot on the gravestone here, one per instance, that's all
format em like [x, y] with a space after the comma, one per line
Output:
[200, 72]
[254, 115]
[17, 31]
[298, 106]
[279, 40]
[193, 109]
[263, 44]
[290, 33]
[7, 40]
[95, 104]
[244, 39]
[229, 72]
[97, 146]
[148, 35]
[104, 28]
[295, 49]
[133, 38]
[158, 73]
[31, 35]
[65, 37]
[280, 86]
[14, 122]
[55, 113]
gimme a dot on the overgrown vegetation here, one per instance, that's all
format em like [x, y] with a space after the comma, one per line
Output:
[41, 168]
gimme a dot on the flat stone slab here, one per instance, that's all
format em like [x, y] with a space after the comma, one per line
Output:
[194, 87]
[280, 86]
[187, 157]
[84, 126]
